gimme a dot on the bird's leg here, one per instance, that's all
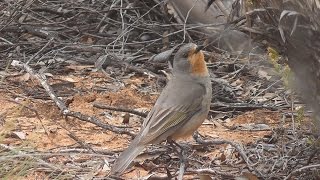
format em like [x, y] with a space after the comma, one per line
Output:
[182, 156]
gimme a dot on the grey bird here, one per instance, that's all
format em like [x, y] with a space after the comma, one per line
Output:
[180, 109]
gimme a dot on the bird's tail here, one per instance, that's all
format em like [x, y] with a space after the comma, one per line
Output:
[126, 157]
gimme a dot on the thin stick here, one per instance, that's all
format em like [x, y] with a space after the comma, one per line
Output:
[301, 169]
[46, 45]
[41, 78]
[121, 109]
[237, 146]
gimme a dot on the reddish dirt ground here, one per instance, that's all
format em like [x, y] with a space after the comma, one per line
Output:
[49, 130]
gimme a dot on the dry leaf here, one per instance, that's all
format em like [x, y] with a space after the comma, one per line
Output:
[79, 67]
[204, 177]
[24, 77]
[263, 74]
[247, 176]
[19, 134]
[69, 79]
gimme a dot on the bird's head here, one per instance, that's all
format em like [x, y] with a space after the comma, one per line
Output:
[189, 59]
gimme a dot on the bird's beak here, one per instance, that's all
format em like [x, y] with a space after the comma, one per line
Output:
[199, 48]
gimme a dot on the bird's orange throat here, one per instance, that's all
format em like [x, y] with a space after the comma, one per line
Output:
[198, 64]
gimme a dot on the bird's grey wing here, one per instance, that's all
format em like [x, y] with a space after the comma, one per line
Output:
[172, 109]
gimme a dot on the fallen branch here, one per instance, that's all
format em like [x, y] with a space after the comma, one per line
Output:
[103, 106]
[96, 121]
[41, 78]
[40, 161]
[116, 61]
[80, 142]
[302, 169]
[237, 146]
[241, 106]
[210, 172]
